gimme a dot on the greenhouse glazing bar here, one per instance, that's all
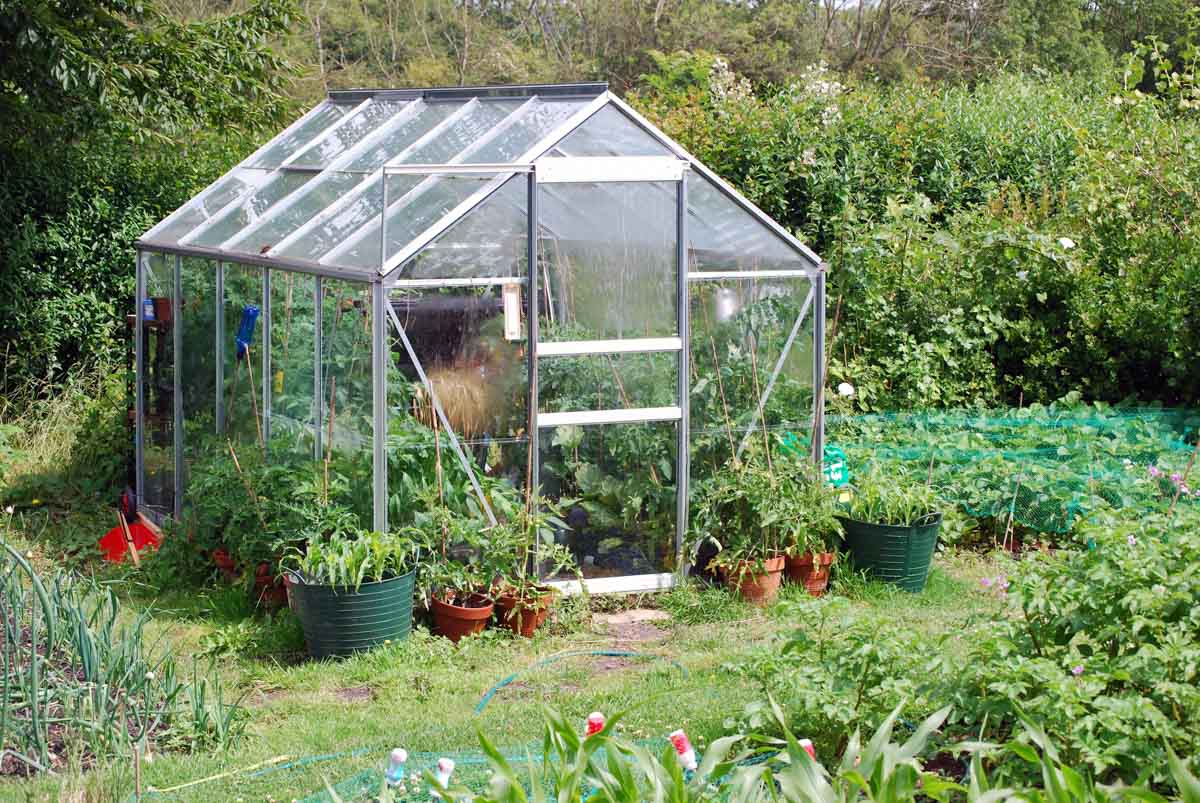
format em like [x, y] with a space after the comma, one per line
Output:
[139, 404]
[380, 359]
[219, 347]
[683, 391]
[532, 481]
[177, 384]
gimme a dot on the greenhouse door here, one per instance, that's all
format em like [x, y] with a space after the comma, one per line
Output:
[609, 355]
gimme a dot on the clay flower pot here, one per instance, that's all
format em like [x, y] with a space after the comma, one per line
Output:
[810, 570]
[757, 588]
[224, 561]
[526, 614]
[466, 619]
[269, 592]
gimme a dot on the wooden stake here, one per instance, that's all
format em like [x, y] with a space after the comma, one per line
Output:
[133, 552]
[254, 401]
[246, 483]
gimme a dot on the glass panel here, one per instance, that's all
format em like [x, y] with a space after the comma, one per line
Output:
[609, 132]
[608, 381]
[414, 204]
[292, 346]
[346, 372]
[316, 196]
[623, 476]
[480, 374]
[198, 317]
[462, 133]
[491, 240]
[723, 236]
[301, 133]
[739, 329]
[243, 370]
[535, 122]
[208, 203]
[251, 208]
[403, 134]
[348, 134]
[608, 254]
[158, 372]
[331, 233]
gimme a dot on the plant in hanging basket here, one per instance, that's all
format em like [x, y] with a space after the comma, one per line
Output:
[354, 591]
[892, 523]
[747, 511]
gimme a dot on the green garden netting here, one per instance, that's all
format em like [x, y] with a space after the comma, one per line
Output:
[1040, 467]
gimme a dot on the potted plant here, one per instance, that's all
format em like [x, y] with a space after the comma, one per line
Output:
[748, 512]
[892, 523]
[812, 547]
[523, 550]
[353, 591]
[454, 581]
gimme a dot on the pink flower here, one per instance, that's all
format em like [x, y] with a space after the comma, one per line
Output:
[1183, 489]
[1176, 477]
[986, 582]
[1155, 471]
[1131, 539]
[1002, 583]
[1077, 670]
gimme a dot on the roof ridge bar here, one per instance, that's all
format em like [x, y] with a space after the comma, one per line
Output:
[361, 187]
[722, 185]
[244, 164]
[459, 212]
[424, 185]
[271, 175]
[403, 114]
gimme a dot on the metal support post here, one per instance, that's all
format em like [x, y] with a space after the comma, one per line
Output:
[318, 381]
[379, 365]
[177, 383]
[531, 246]
[219, 348]
[267, 377]
[139, 379]
[818, 435]
[682, 459]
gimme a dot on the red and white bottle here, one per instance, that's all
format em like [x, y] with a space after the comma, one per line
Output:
[683, 750]
[808, 748]
[595, 723]
[445, 767]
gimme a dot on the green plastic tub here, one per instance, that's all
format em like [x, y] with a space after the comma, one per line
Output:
[341, 621]
[899, 555]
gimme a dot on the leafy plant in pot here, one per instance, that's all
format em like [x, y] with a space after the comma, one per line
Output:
[892, 523]
[354, 591]
[454, 581]
[522, 550]
[812, 547]
[749, 512]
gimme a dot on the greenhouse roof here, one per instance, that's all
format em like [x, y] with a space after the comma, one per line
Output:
[369, 179]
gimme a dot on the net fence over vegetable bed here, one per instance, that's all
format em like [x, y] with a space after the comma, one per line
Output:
[1040, 467]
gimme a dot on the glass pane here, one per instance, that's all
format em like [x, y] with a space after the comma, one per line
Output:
[402, 134]
[491, 240]
[243, 369]
[346, 372]
[608, 381]
[623, 476]
[609, 132]
[208, 204]
[301, 134]
[463, 133]
[251, 208]
[348, 134]
[158, 373]
[328, 234]
[480, 374]
[608, 254]
[315, 197]
[292, 361]
[536, 121]
[198, 317]
[739, 331]
[722, 236]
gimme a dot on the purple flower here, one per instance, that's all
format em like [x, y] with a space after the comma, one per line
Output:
[1131, 539]
[1176, 477]
[1077, 670]
[1155, 471]
[986, 582]
[1002, 583]
[1183, 489]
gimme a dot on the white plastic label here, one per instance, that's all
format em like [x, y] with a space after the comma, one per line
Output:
[512, 312]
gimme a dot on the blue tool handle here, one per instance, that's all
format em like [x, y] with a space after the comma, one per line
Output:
[245, 332]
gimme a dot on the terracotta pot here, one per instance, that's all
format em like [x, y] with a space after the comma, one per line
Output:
[224, 561]
[756, 588]
[455, 621]
[524, 616]
[269, 592]
[812, 572]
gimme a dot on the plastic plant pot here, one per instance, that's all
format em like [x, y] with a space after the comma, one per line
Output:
[898, 555]
[340, 621]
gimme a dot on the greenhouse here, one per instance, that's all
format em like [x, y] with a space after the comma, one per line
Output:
[491, 290]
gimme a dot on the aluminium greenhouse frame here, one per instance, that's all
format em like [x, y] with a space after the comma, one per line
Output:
[539, 171]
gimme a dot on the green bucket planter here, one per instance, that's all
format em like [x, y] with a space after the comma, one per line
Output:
[341, 621]
[899, 555]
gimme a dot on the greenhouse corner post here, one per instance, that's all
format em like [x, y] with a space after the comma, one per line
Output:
[533, 480]
[267, 379]
[219, 348]
[682, 461]
[177, 383]
[819, 369]
[318, 380]
[379, 364]
[139, 399]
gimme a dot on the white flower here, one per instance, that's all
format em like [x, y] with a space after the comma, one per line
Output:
[9, 510]
[149, 676]
[1023, 275]
[1066, 242]
[846, 390]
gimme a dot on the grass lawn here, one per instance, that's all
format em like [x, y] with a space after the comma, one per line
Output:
[422, 694]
